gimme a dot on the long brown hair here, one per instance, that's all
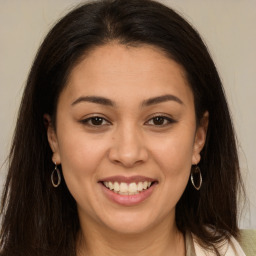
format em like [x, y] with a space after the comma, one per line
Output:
[38, 219]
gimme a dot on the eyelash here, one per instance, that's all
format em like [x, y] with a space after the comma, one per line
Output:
[161, 118]
[88, 121]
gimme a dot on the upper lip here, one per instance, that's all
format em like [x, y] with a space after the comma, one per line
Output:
[128, 180]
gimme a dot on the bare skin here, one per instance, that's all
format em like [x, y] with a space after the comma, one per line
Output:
[127, 112]
[156, 241]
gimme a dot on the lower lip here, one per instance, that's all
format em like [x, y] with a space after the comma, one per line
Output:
[128, 200]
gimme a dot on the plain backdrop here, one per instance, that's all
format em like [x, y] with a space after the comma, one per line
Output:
[227, 27]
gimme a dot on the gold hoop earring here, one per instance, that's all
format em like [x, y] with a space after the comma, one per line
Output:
[195, 172]
[54, 178]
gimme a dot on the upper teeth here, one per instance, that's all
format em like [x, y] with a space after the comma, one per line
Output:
[127, 189]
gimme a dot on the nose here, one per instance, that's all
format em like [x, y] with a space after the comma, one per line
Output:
[128, 148]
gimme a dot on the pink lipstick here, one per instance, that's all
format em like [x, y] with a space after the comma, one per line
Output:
[128, 191]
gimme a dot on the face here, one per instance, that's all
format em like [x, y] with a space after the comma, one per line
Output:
[126, 137]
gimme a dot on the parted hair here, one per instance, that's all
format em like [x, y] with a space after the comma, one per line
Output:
[39, 220]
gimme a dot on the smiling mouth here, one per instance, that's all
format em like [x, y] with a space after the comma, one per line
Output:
[124, 188]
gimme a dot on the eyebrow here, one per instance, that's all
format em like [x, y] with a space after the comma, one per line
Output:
[107, 102]
[161, 99]
[94, 99]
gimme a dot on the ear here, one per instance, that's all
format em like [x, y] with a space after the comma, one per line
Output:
[52, 139]
[200, 138]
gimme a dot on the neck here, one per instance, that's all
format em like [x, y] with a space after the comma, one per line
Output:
[163, 240]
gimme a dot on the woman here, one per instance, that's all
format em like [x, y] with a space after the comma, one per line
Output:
[124, 143]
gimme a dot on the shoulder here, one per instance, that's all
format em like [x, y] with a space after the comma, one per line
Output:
[229, 247]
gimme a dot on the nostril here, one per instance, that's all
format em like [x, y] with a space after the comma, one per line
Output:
[128, 153]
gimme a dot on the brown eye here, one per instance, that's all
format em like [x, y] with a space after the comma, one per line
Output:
[160, 121]
[95, 121]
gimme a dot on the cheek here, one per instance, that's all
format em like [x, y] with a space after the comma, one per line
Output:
[80, 160]
[77, 148]
[174, 157]
[174, 153]
[80, 157]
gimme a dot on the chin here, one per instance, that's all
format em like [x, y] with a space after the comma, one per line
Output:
[129, 223]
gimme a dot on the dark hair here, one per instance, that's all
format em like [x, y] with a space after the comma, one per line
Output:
[41, 220]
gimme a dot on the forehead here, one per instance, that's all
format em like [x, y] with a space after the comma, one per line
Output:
[114, 69]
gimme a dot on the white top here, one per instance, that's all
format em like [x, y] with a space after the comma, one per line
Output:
[231, 248]
[228, 248]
